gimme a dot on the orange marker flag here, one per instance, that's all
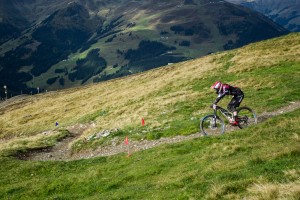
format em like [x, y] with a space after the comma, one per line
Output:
[127, 143]
[126, 140]
[143, 121]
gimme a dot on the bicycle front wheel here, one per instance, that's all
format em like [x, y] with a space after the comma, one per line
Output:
[212, 125]
[246, 117]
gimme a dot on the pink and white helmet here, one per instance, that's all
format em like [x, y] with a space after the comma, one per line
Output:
[217, 85]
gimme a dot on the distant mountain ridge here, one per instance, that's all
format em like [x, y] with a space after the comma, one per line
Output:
[284, 12]
[60, 44]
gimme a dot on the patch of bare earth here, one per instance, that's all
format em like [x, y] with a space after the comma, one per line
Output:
[61, 151]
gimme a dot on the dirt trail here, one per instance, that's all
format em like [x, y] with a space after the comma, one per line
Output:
[61, 151]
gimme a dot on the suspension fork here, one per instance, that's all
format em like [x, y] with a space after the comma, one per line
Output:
[215, 117]
[215, 113]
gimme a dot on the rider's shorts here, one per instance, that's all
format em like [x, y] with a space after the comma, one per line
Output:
[235, 101]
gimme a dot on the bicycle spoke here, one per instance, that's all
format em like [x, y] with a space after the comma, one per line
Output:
[246, 117]
[210, 125]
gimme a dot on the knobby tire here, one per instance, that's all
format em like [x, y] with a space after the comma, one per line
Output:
[246, 117]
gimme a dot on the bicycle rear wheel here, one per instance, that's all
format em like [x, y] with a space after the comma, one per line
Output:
[212, 125]
[246, 117]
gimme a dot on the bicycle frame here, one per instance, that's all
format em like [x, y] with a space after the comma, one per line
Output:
[228, 115]
[212, 124]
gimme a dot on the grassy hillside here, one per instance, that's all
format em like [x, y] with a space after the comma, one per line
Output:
[170, 99]
[261, 162]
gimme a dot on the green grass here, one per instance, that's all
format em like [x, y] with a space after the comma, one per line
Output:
[91, 117]
[171, 99]
[224, 167]
[260, 162]
[25, 144]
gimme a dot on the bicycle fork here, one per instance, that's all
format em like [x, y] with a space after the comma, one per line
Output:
[213, 122]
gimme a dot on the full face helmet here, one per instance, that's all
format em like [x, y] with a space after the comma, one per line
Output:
[217, 86]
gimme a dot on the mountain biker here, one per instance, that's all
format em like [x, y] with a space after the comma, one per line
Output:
[225, 89]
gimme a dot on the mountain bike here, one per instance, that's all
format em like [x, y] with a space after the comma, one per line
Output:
[212, 124]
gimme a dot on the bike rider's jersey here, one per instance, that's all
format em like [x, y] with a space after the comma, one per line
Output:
[227, 90]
